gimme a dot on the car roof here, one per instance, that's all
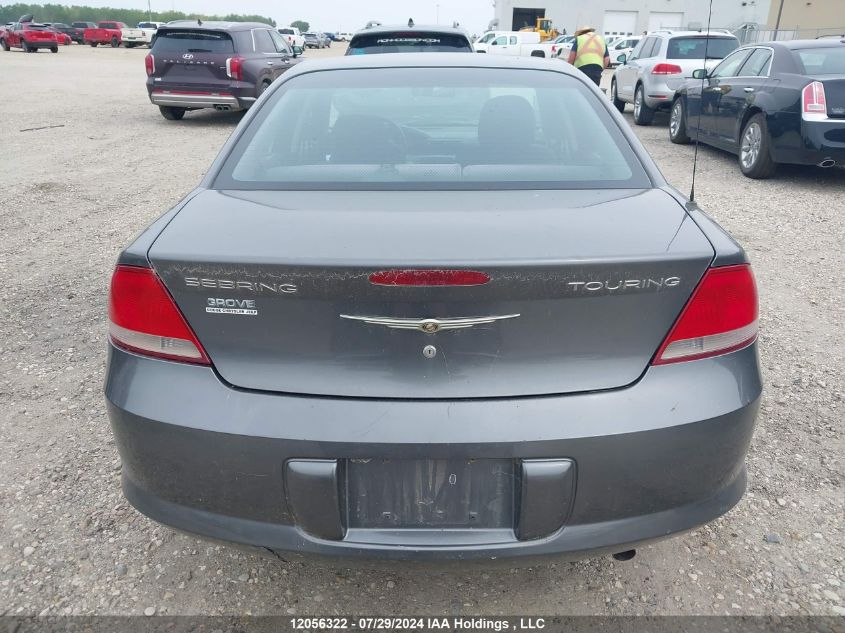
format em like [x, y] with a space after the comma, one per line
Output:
[417, 28]
[802, 44]
[216, 26]
[688, 33]
[430, 60]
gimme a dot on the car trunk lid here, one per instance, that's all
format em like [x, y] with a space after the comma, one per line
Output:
[834, 91]
[192, 56]
[590, 282]
[40, 33]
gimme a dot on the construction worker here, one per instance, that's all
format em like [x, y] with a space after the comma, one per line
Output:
[589, 53]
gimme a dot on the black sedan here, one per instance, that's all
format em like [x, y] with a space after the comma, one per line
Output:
[779, 102]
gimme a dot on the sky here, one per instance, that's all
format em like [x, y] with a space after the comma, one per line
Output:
[331, 15]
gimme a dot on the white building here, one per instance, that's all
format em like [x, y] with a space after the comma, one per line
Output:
[629, 17]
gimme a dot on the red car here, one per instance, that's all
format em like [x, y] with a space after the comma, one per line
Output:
[30, 36]
[105, 33]
[63, 39]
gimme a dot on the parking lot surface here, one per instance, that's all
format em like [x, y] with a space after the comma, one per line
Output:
[87, 162]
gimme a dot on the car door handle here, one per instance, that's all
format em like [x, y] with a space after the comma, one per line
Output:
[748, 89]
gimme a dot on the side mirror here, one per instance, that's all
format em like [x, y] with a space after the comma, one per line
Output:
[622, 58]
[297, 51]
[699, 73]
[494, 43]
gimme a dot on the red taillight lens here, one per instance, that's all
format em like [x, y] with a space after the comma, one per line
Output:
[429, 278]
[666, 69]
[150, 64]
[235, 68]
[144, 318]
[813, 102]
[720, 317]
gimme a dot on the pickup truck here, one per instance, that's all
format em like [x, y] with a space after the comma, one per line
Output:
[142, 35]
[30, 36]
[78, 34]
[104, 33]
[518, 44]
[293, 36]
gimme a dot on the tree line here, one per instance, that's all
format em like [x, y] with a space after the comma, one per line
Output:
[65, 14]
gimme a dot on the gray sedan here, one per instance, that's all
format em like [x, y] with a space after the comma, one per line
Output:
[437, 307]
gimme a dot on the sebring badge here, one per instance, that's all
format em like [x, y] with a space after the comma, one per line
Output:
[429, 326]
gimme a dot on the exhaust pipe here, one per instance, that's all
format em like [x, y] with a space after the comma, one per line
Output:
[625, 556]
[222, 108]
[827, 162]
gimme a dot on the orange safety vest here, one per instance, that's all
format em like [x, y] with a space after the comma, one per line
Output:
[590, 50]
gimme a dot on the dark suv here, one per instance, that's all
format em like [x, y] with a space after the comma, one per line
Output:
[78, 34]
[220, 65]
[409, 39]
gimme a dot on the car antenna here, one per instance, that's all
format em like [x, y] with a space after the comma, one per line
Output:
[700, 104]
[410, 23]
[199, 21]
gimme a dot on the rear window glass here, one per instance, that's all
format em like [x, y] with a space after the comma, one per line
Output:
[35, 27]
[408, 43]
[821, 61]
[286, 31]
[146, 25]
[193, 42]
[432, 128]
[694, 47]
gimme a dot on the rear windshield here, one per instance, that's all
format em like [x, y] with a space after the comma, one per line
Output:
[80, 25]
[146, 25]
[286, 31]
[694, 47]
[193, 42]
[821, 61]
[432, 128]
[35, 27]
[409, 43]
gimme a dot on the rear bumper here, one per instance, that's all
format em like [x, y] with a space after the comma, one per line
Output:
[658, 94]
[189, 99]
[661, 456]
[806, 142]
[44, 44]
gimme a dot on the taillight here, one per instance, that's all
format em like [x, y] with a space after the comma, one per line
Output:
[144, 318]
[416, 277]
[813, 102]
[666, 69]
[720, 317]
[150, 64]
[235, 68]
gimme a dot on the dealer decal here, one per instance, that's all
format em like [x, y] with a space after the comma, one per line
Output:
[231, 306]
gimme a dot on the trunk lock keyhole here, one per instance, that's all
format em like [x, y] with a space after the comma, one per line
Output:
[429, 351]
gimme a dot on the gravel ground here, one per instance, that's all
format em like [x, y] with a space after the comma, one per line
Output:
[74, 193]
